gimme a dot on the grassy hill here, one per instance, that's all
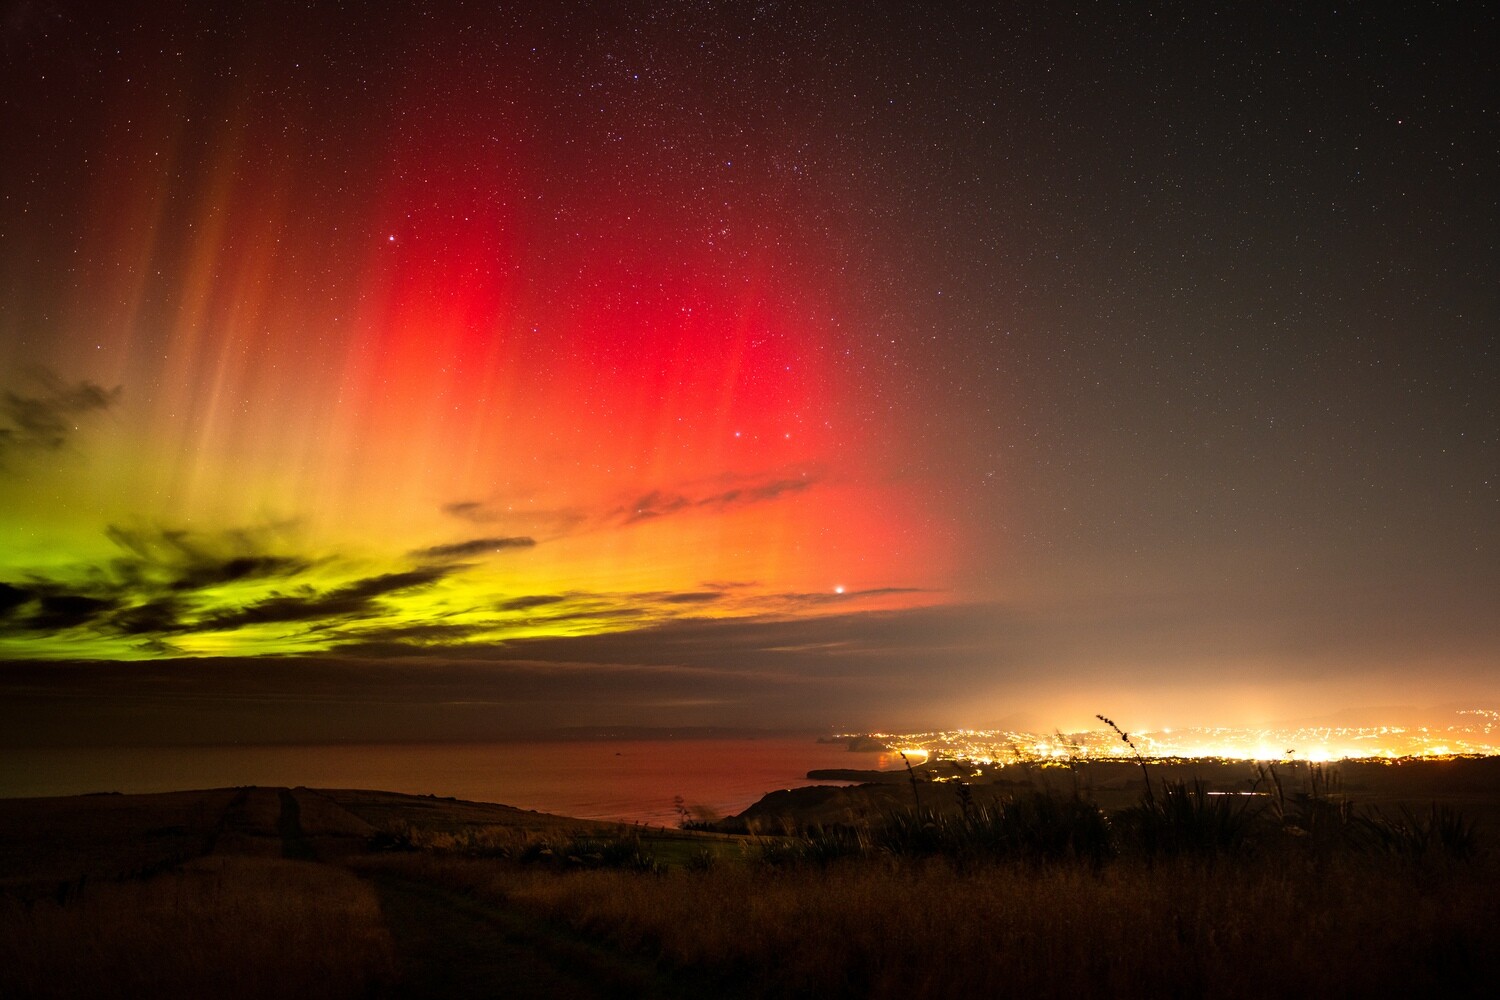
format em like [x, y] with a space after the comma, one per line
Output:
[1354, 880]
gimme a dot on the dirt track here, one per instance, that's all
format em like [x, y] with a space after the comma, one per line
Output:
[452, 947]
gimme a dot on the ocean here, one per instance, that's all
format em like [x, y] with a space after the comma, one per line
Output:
[636, 781]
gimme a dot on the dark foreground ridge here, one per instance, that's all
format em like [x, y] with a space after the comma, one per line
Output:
[452, 947]
[80, 853]
[911, 888]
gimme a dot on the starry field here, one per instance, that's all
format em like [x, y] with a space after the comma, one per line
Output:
[457, 371]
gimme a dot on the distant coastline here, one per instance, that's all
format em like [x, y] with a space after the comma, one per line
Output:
[634, 775]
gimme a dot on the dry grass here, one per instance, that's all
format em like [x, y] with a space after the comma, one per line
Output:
[1317, 902]
[902, 930]
[46, 841]
[384, 810]
[221, 927]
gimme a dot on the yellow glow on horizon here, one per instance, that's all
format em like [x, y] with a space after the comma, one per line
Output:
[1308, 745]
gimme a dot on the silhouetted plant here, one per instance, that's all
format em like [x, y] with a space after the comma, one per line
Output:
[817, 845]
[911, 833]
[1417, 836]
[1037, 827]
[626, 853]
[1139, 759]
[1190, 821]
[395, 837]
[912, 775]
[1319, 812]
[779, 852]
[1266, 775]
[965, 798]
[1040, 826]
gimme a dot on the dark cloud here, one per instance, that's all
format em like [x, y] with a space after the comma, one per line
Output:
[530, 601]
[133, 605]
[391, 583]
[985, 665]
[846, 596]
[45, 419]
[694, 597]
[178, 560]
[12, 598]
[892, 638]
[756, 494]
[654, 504]
[403, 640]
[469, 510]
[463, 638]
[176, 603]
[238, 569]
[474, 547]
[151, 618]
[549, 522]
[153, 589]
[50, 607]
[593, 611]
[397, 682]
[659, 503]
[163, 585]
[105, 609]
[355, 599]
[156, 646]
[580, 606]
[65, 611]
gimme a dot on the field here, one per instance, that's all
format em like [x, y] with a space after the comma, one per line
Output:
[1342, 881]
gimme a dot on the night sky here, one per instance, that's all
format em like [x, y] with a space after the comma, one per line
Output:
[413, 373]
